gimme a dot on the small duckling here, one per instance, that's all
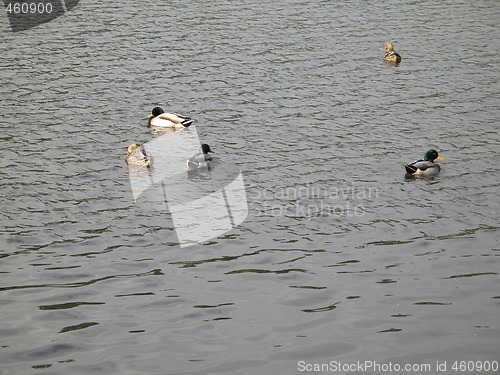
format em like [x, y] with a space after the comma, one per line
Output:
[200, 159]
[390, 54]
[426, 167]
[160, 118]
[137, 156]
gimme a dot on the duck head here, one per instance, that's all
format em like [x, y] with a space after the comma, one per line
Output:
[388, 46]
[205, 149]
[156, 112]
[133, 147]
[431, 155]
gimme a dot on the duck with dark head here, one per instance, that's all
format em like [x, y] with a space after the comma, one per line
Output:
[161, 119]
[426, 167]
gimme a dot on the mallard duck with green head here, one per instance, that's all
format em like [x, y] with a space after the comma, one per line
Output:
[426, 167]
[201, 159]
[160, 118]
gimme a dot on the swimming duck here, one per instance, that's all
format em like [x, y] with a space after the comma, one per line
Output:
[168, 120]
[137, 156]
[200, 159]
[426, 167]
[390, 54]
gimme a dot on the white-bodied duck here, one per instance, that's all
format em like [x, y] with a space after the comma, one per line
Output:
[161, 119]
[426, 167]
[201, 159]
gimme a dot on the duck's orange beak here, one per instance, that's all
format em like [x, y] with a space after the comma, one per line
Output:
[151, 115]
[440, 158]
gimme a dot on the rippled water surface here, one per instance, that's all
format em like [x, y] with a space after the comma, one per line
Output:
[340, 257]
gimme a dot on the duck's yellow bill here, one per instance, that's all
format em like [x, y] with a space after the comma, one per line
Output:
[151, 115]
[440, 158]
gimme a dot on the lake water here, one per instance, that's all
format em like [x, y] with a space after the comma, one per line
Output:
[340, 258]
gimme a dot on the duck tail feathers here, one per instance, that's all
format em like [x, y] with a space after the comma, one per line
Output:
[187, 122]
[410, 169]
